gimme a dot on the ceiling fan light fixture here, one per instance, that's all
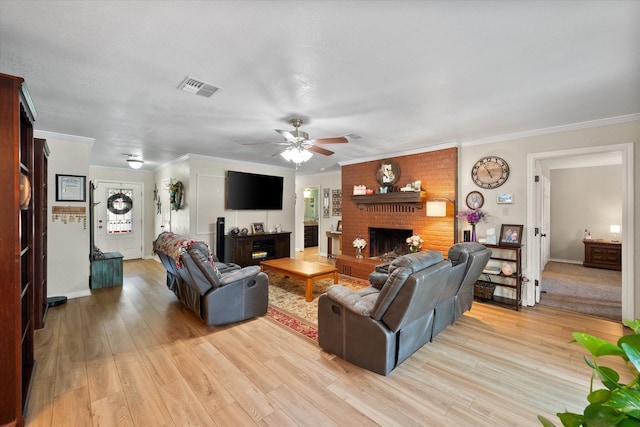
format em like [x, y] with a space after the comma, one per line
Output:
[135, 163]
[296, 155]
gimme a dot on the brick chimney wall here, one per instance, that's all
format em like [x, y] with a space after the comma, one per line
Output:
[438, 171]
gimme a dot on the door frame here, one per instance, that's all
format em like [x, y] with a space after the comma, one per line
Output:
[533, 220]
[141, 204]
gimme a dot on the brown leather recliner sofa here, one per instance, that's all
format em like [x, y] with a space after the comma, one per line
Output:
[218, 293]
[407, 304]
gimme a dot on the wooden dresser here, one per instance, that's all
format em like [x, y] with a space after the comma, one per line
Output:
[600, 253]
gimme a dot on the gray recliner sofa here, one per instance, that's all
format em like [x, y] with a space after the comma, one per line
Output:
[409, 302]
[380, 326]
[218, 293]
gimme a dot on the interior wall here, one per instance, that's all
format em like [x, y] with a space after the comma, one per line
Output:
[438, 173]
[583, 198]
[68, 267]
[203, 179]
[516, 150]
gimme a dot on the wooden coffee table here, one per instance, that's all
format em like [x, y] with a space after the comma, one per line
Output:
[303, 270]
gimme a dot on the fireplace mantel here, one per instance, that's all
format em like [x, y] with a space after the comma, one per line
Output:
[414, 199]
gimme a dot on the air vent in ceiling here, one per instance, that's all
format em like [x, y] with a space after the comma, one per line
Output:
[198, 87]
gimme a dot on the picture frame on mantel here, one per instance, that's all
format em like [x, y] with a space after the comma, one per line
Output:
[71, 188]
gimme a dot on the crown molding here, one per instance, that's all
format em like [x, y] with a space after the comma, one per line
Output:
[430, 148]
[62, 137]
[555, 129]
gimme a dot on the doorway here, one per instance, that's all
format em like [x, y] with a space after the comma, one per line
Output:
[118, 222]
[535, 217]
[311, 219]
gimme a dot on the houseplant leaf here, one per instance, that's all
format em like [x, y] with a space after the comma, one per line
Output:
[570, 419]
[597, 346]
[598, 415]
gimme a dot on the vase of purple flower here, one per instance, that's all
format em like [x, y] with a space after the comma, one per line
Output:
[473, 217]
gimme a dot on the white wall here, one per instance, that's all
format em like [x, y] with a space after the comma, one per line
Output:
[516, 150]
[330, 180]
[68, 265]
[204, 180]
[582, 198]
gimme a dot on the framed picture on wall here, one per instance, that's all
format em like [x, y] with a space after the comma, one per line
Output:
[71, 188]
[511, 234]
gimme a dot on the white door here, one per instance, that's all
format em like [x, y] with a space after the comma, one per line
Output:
[118, 220]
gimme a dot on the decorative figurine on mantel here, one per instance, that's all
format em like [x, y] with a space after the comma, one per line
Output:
[587, 234]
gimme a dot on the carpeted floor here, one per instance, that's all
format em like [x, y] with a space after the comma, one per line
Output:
[288, 307]
[586, 290]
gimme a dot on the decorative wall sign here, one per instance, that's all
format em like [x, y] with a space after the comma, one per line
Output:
[387, 173]
[69, 214]
[504, 199]
[326, 203]
[336, 202]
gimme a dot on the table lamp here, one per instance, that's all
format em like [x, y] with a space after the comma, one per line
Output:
[615, 229]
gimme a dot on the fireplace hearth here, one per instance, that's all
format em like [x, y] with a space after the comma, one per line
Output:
[388, 243]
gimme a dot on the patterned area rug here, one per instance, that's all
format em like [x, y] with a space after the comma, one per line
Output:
[288, 307]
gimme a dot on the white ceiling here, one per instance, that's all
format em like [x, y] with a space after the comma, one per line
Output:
[404, 75]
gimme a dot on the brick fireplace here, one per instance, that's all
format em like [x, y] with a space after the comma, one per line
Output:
[438, 173]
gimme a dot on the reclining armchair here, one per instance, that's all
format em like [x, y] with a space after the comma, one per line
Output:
[380, 326]
[467, 260]
[218, 293]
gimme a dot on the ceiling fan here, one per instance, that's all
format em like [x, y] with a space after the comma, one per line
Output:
[300, 147]
[300, 140]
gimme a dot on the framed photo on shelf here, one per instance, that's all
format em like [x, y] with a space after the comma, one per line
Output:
[71, 188]
[339, 227]
[511, 234]
[257, 227]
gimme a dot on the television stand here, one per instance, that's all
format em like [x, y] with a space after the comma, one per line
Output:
[251, 249]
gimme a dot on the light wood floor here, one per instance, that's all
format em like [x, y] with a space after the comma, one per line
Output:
[134, 356]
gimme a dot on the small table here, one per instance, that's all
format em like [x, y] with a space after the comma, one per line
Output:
[330, 236]
[303, 270]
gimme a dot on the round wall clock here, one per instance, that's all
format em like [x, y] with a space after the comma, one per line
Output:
[490, 172]
[475, 200]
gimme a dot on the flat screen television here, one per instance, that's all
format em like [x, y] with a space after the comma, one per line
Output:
[253, 191]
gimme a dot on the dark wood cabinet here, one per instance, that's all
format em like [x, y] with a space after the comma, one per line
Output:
[40, 208]
[310, 236]
[250, 249]
[600, 253]
[18, 216]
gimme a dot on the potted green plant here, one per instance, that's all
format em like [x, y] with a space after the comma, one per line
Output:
[618, 404]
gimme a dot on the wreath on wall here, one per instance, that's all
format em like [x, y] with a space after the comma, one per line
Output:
[175, 194]
[122, 200]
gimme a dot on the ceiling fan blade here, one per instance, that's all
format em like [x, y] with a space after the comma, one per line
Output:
[320, 150]
[266, 143]
[336, 140]
[286, 134]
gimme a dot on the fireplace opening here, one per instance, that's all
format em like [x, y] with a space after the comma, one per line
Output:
[388, 243]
